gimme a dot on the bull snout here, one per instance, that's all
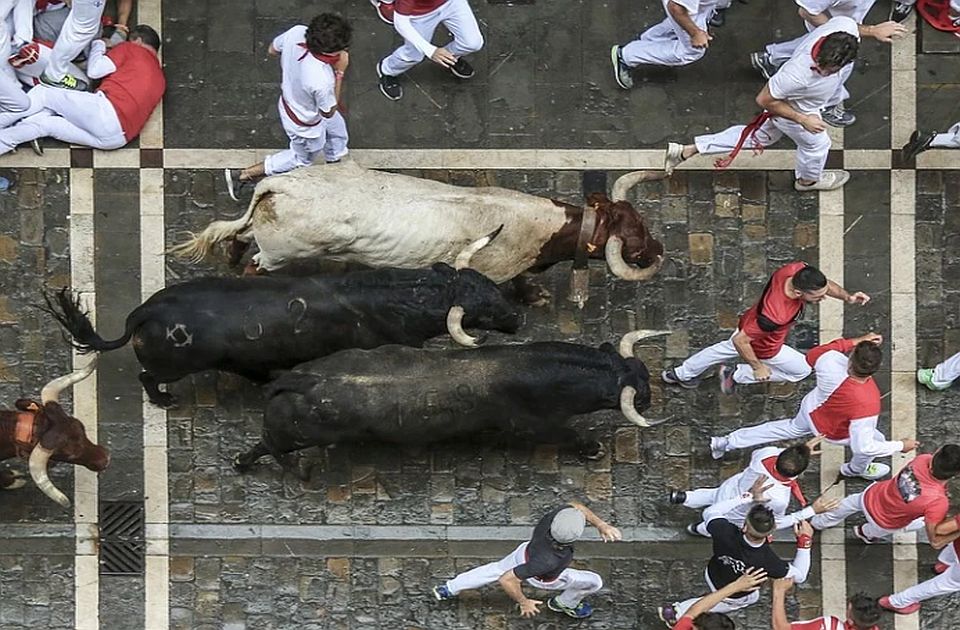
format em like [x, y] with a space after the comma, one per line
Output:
[97, 459]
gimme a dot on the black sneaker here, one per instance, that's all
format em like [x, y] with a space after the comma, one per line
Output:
[36, 146]
[838, 116]
[621, 71]
[762, 64]
[235, 185]
[670, 377]
[462, 69]
[692, 529]
[677, 497]
[719, 18]
[390, 86]
[918, 143]
[68, 82]
[900, 11]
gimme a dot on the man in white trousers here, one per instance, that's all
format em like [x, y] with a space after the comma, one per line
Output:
[941, 377]
[815, 13]
[17, 14]
[778, 470]
[739, 549]
[313, 60]
[761, 335]
[947, 580]
[843, 408]
[416, 21]
[915, 498]
[79, 29]
[132, 85]
[543, 563]
[921, 141]
[680, 39]
[792, 101]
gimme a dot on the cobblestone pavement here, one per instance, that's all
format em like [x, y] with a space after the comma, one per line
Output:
[360, 543]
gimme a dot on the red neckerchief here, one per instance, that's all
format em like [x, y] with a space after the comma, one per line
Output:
[816, 51]
[770, 464]
[43, 4]
[750, 131]
[324, 57]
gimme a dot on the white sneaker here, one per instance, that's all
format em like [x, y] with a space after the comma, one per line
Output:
[830, 180]
[718, 446]
[672, 157]
[874, 472]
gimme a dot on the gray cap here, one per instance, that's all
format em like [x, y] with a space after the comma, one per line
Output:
[567, 525]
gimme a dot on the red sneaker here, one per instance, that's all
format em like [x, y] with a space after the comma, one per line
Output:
[384, 10]
[940, 567]
[906, 610]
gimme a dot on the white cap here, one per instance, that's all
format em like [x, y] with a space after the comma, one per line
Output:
[567, 525]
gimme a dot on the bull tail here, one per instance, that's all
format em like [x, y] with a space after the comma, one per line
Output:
[199, 246]
[65, 308]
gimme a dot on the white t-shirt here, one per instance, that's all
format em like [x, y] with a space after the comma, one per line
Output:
[856, 9]
[805, 89]
[307, 86]
[696, 8]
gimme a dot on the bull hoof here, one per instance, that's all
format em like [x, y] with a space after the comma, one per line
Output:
[593, 452]
[240, 465]
[164, 401]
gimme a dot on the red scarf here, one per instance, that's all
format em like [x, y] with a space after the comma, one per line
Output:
[750, 131]
[770, 464]
[815, 51]
[43, 4]
[327, 58]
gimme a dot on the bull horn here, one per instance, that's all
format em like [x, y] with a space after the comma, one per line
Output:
[623, 270]
[455, 326]
[626, 407]
[625, 182]
[631, 338]
[51, 391]
[39, 458]
[463, 258]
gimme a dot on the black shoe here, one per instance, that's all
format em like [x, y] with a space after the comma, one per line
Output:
[36, 146]
[235, 185]
[462, 69]
[762, 64]
[838, 116]
[900, 11]
[390, 86]
[68, 82]
[918, 143]
[692, 529]
[677, 497]
[718, 19]
[670, 377]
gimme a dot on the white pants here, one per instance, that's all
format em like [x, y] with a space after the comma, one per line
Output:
[84, 118]
[457, 16]
[851, 505]
[29, 74]
[787, 365]
[812, 148]
[79, 29]
[665, 44]
[331, 143]
[12, 96]
[707, 497]
[944, 584]
[948, 140]
[727, 605]
[575, 584]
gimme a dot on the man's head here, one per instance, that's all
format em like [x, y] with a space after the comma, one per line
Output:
[835, 51]
[865, 359]
[328, 33]
[144, 36]
[713, 621]
[793, 461]
[809, 284]
[760, 523]
[946, 462]
[567, 525]
[863, 611]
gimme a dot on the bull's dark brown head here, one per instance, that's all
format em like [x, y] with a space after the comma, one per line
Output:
[623, 233]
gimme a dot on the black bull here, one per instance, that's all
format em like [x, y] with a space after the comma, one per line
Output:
[255, 325]
[407, 395]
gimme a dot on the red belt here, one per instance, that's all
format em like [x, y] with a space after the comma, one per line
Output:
[294, 118]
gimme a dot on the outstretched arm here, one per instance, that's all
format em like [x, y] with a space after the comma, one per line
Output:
[750, 581]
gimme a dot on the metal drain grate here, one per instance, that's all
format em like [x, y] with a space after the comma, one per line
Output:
[121, 538]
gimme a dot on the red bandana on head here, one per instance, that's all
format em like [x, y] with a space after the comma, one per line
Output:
[815, 51]
[770, 464]
[328, 58]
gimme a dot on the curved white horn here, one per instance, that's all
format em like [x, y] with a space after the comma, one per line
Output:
[631, 338]
[625, 182]
[463, 258]
[51, 391]
[626, 407]
[39, 458]
[613, 252]
[455, 327]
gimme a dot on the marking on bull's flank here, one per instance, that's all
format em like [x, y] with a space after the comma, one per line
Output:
[179, 335]
[303, 313]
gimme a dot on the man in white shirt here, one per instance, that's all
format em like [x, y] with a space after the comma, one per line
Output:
[416, 21]
[680, 39]
[313, 60]
[792, 100]
[16, 30]
[815, 13]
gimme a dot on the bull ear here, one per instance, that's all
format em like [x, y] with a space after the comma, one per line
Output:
[608, 348]
[441, 268]
[597, 198]
[25, 404]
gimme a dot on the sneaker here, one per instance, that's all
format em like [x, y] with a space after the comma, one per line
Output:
[36, 146]
[925, 377]
[235, 185]
[677, 497]
[442, 593]
[718, 19]
[390, 86]
[668, 615]
[900, 11]
[582, 610]
[919, 142]
[830, 180]
[858, 532]
[462, 69]
[621, 71]
[838, 116]
[384, 11]
[68, 82]
[718, 446]
[906, 610]
[873, 472]
[940, 567]
[672, 157]
[670, 377]
[727, 385]
[762, 64]
[693, 531]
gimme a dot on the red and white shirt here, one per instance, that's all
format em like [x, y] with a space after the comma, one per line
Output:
[778, 308]
[417, 7]
[828, 622]
[406, 10]
[913, 493]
